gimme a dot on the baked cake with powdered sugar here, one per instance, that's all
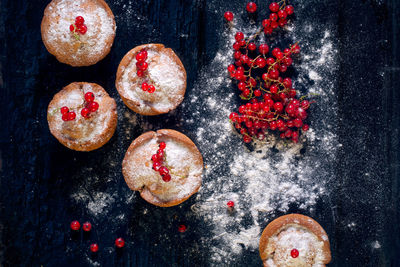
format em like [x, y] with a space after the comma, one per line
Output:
[151, 79]
[165, 166]
[294, 240]
[82, 116]
[78, 32]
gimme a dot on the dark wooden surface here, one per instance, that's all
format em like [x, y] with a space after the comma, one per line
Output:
[38, 175]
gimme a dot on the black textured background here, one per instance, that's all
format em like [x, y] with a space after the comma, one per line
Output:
[38, 175]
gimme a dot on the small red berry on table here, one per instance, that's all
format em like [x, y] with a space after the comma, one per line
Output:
[251, 7]
[87, 226]
[75, 225]
[94, 247]
[294, 253]
[119, 242]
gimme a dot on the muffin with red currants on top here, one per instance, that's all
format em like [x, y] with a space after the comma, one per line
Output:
[82, 116]
[151, 79]
[164, 166]
[78, 32]
[294, 240]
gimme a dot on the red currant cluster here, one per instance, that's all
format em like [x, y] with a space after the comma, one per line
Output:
[272, 99]
[78, 26]
[278, 17]
[90, 107]
[158, 159]
[142, 66]
[87, 226]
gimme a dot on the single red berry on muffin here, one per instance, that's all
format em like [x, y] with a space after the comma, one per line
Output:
[75, 225]
[294, 253]
[71, 116]
[79, 20]
[64, 110]
[181, 228]
[119, 242]
[87, 226]
[82, 29]
[89, 97]
[93, 106]
[85, 112]
[94, 248]
[228, 16]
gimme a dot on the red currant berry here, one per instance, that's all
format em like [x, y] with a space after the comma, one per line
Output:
[289, 9]
[305, 127]
[93, 106]
[282, 22]
[296, 49]
[266, 23]
[119, 242]
[242, 86]
[298, 122]
[257, 93]
[239, 36]
[156, 164]
[87, 226]
[273, 89]
[231, 68]
[94, 248]
[162, 145]
[64, 110]
[143, 66]
[166, 178]
[274, 24]
[71, 116]
[163, 171]
[72, 27]
[251, 7]
[274, 7]
[301, 114]
[305, 104]
[85, 112]
[273, 17]
[140, 57]
[181, 228]
[237, 55]
[228, 16]
[144, 52]
[268, 30]
[263, 48]
[282, 68]
[270, 61]
[230, 204]
[140, 73]
[82, 29]
[282, 14]
[287, 61]
[273, 125]
[75, 225]
[145, 86]
[252, 46]
[79, 20]
[273, 74]
[151, 89]
[154, 158]
[278, 106]
[287, 82]
[294, 253]
[236, 46]
[89, 97]
[261, 62]
[65, 117]
[246, 139]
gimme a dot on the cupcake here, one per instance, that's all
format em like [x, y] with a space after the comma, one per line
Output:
[151, 79]
[294, 240]
[78, 32]
[164, 166]
[82, 116]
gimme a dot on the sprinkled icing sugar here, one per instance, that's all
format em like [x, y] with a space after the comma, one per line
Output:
[100, 25]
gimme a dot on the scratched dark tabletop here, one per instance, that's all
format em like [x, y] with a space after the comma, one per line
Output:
[38, 175]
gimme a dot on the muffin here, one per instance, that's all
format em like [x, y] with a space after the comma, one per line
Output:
[294, 240]
[151, 79]
[82, 116]
[78, 32]
[164, 166]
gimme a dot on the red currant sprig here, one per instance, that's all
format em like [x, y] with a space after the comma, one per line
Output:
[90, 105]
[142, 66]
[78, 27]
[158, 159]
[67, 115]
